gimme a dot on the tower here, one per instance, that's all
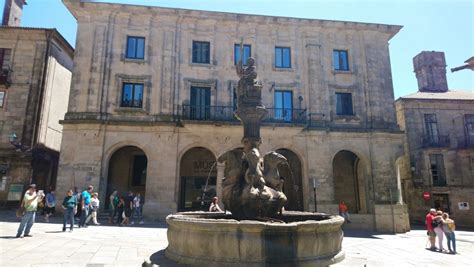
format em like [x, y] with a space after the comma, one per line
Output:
[430, 70]
[12, 12]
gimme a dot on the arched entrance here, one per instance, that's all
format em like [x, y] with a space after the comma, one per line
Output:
[349, 183]
[292, 187]
[127, 172]
[196, 165]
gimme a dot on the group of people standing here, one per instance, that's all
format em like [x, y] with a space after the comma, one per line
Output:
[125, 209]
[439, 225]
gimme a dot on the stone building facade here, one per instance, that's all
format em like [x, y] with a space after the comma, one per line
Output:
[35, 80]
[439, 144]
[152, 102]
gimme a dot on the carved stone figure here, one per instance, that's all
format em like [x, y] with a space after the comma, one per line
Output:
[249, 89]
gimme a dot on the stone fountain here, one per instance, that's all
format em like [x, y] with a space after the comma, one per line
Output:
[256, 232]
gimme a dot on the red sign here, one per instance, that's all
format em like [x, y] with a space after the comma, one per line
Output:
[426, 196]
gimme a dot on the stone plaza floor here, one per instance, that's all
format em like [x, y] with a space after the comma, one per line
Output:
[106, 245]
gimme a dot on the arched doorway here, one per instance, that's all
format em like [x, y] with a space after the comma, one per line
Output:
[292, 187]
[196, 165]
[349, 183]
[127, 172]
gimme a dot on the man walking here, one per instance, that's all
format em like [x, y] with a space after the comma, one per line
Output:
[429, 227]
[86, 203]
[30, 203]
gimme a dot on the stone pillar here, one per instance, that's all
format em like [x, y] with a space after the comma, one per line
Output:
[220, 175]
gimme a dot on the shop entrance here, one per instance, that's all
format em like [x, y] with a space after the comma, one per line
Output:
[441, 202]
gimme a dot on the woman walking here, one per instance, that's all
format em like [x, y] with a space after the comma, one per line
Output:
[438, 229]
[50, 206]
[114, 200]
[94, 208]
[448, 229]
[70, 208]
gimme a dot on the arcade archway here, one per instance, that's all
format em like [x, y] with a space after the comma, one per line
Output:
[292, 175]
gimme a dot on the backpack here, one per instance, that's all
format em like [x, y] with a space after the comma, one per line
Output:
[434, 223]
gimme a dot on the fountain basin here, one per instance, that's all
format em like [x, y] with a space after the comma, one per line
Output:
[217, 239]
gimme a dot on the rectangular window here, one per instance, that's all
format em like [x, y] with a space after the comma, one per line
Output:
[5, 58]
[201, 52]
[135, 47]
[247, 53]
[200, 103]
[283, 106]
[469, 124]
[282, 57]
[2, 98]
[132, 95]
[437, 170]
[340, 60]
[431, 126]
[344, 104]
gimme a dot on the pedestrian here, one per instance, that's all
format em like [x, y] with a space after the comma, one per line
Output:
[448, 229]
[343, 211]
[30, 204]
[86, 203]
[128, 207]
[429, 228]
[94, 208]
[120, 214]
[437, 224]
[137, 212]
[114, 200]
[78, 196]
[70, 208]
[214, 205]
[50, 206]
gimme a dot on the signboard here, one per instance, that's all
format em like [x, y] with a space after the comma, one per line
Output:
[426, 196]
[15, 192]
[463, 205]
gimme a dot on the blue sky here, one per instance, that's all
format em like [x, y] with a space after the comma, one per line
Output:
[439, 25]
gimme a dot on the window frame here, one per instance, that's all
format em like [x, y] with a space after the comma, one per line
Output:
[339, 52]
[279, 112]
[342, 109]
[133, 93]
[201, 111]
[194, 60]
[135, 56]
[431, 127]
[469, 128]
[2, 99]
[282, 48]
[437, 160]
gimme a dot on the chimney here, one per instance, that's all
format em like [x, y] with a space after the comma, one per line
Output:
[12, 12]
[430, 70]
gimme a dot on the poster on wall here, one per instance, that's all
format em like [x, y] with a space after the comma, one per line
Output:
[15, 192]
[463, 205]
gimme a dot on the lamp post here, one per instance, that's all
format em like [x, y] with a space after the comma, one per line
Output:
[315, 185]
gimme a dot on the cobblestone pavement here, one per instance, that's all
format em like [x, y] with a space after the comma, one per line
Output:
[106, 245]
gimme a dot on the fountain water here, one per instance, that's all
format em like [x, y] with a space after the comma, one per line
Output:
[257, 233]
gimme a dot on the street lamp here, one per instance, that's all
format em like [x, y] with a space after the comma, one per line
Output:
[315, 185]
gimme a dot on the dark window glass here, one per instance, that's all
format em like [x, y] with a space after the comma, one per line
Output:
[282, 57]
[135, 47]
[201, 52]
[139, 170]
[344, 104]
[5, 57]
[247, 53]
[132, 95]
[437, 170]
[283, 105]
[469, 120]
[2, 98]
[200, 103]
[340, 60]
[431, 128]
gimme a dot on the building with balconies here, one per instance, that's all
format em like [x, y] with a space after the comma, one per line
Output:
[153, 98]
[439, 143]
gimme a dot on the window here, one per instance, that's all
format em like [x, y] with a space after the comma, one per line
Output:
[283, 105]
[247, 53]
[344, 104]
[5, 57]
[2, 98]
[469, 124]
[340, 60]
[135, 47]
[200, 103]
[431, 128]
[437, 170]
[132, 95]
[282, 57]
[201, 52]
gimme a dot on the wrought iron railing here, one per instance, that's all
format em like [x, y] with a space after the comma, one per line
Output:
[435, 141]
[466, 142]
[282, 115]
[5, 77]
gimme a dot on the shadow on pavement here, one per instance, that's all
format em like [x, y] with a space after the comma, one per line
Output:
[159, 259]
[360, 234]
[8, 237]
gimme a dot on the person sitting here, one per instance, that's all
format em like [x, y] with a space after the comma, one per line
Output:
[214, 206]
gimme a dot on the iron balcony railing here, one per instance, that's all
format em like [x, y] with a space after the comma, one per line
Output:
[466, 142]
[5, 77]
[435, 141]
[226, 114]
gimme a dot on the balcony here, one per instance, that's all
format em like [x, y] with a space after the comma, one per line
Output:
[466, 142]
[226, 114]
[435, 141]
[5, 77]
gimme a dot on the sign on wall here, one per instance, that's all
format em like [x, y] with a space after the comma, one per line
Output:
[463, 205]
[15, 192]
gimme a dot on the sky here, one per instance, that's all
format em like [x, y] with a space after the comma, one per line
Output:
[434, 25]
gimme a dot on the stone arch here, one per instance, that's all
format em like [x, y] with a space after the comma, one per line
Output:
[197, 168]
[350, 183]
[293, 175]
